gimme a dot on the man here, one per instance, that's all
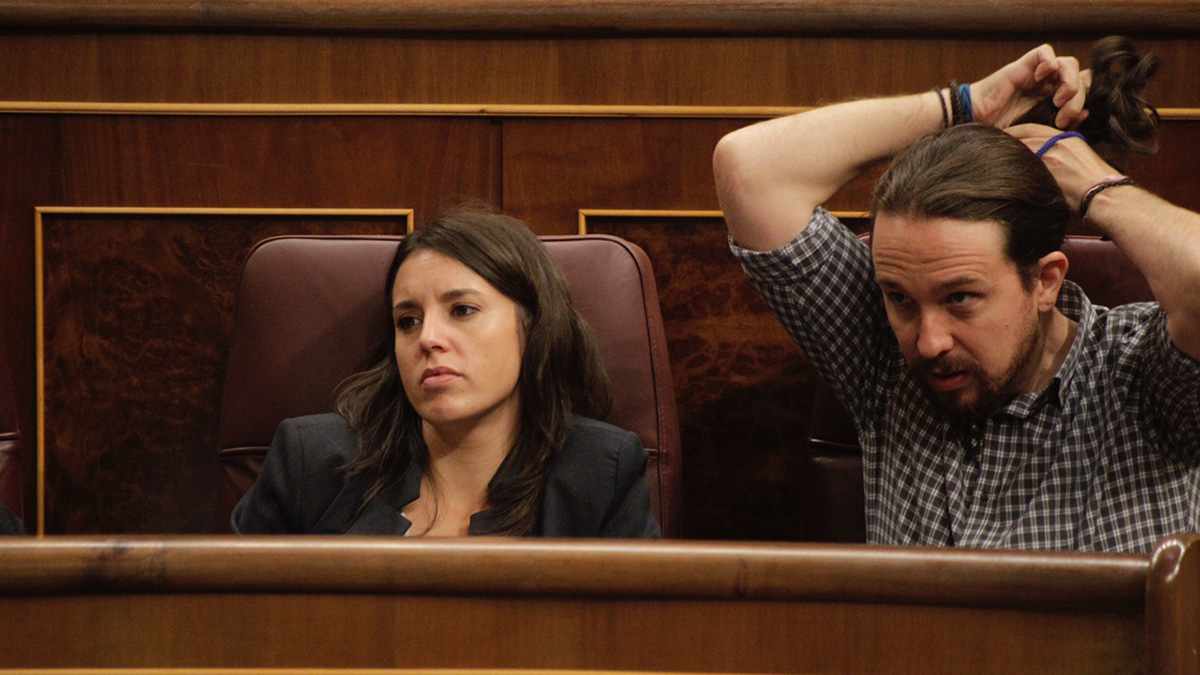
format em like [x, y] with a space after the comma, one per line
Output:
[995, 405]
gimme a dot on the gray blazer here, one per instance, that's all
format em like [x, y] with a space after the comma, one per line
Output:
[595, 487]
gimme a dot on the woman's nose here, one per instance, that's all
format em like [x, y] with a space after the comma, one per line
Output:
[432, 336]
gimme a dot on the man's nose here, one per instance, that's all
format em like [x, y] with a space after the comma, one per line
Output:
[933, 336]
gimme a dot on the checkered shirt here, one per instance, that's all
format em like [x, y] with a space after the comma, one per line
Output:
[1106, 458]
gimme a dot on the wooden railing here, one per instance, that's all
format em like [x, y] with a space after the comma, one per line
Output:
[294, 602]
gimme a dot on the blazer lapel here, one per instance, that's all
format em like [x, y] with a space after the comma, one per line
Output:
[382, 515]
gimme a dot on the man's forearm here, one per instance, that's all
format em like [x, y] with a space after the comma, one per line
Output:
[1163, 241]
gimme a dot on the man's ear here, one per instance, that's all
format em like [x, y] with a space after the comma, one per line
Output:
[1051, 270]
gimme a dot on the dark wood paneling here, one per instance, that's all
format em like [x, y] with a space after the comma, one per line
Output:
[313, 162]
[587, 17]
[138, 317]
[29, 175]
[543, 170]
[340, 602]
[555, 167]
[743, 389]
[694, 71]
[109, 460]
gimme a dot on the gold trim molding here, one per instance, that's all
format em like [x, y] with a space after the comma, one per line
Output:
[584, 214]
[39, 214]
[394, 109]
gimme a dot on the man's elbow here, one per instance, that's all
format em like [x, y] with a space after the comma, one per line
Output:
[730, 167]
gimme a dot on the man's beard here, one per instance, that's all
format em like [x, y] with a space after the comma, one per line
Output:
[990, 393]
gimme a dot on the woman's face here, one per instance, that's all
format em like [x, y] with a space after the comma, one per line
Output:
[458, 343]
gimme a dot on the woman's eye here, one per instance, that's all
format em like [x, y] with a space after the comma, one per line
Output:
[406, 323]
[463, 310]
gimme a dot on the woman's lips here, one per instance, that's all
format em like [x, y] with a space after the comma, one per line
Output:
[436, 377]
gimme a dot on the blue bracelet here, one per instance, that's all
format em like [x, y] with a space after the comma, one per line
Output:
[964, 93]
[1054, 139]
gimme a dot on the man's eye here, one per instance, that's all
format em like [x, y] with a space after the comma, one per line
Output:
[898, 299]
[959, 298]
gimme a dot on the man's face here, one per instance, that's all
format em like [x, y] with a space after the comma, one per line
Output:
[966, 324]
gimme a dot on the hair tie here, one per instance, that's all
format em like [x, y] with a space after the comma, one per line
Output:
[1054, 139]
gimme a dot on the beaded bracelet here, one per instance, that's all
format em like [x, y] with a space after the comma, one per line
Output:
[1098, 187]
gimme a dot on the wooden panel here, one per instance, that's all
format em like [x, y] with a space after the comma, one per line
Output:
[951, 17]
[311, 162]
[350, 630]
[692, 71]
[29, 176]
[371, 602]
[545, 170]
[138, 314]
[171, 161]
[555, 167]
[743, 388]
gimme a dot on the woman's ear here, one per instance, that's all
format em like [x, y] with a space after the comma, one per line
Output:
[1052, 270]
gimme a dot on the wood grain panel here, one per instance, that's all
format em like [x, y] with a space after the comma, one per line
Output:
[28, 172]
[373, 69]
[176, 161]
[553, 168]
[351, 630]
[742, 387]
[304, 162]
[587, 17]
[660, 606]
[138, 314]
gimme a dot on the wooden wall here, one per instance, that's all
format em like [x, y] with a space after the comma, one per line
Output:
[135, 136]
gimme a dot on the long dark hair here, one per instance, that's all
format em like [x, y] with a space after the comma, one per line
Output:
[1120, 120]
[975, 172]
[561, 371]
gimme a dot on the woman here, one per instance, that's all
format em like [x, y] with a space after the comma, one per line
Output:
[470, 423]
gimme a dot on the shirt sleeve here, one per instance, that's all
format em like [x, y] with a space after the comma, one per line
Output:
[1171, 385]
[821, 286]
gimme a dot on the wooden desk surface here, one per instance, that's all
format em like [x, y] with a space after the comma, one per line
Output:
[296, 602]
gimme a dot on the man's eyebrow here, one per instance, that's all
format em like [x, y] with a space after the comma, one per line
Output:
[959, 282]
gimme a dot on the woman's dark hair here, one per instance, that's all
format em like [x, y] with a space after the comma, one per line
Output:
[1120, 120]
[976, 172]
[561, 371]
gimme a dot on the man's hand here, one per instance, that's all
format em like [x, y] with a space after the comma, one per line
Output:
[1004, 96]
[1075, 166]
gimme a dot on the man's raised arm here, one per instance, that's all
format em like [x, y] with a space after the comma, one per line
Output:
[1162, 240]
[770, 176]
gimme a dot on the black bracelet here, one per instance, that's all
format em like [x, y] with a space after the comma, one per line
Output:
[956, 114]
[1099, 187]
[937, 91]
